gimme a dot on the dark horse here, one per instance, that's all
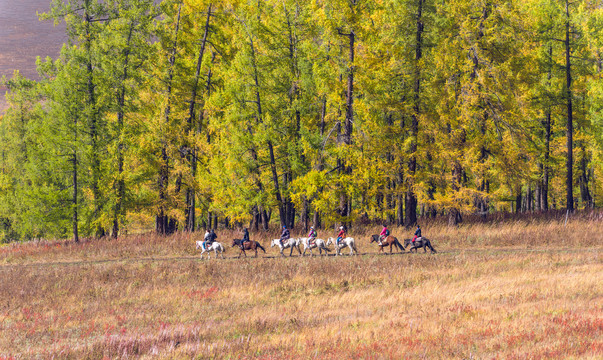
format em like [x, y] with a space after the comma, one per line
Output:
[421, 242]
[388, 241]
[249, 245]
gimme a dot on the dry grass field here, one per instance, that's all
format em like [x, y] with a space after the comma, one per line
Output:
[523, 289]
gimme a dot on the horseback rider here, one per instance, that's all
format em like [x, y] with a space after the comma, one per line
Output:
[312, 236]
[341, 235]
[245, 238]
[417, 233]
[284, 236]
[206, 239]
[384, 234]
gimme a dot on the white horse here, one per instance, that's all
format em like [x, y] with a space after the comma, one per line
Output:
[215, 246]
[318, 243]
[349, 242]
[289, 243]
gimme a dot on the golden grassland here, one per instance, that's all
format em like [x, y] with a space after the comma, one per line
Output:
[511, 290]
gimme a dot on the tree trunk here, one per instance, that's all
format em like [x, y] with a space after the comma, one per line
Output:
[93, 125]
[277, 192]
[346, 137]
[76, 237]
[547, 149]
[162, 223]
[569, 182]
[121, 101]
[584, 180]
[518, 201]
[192, 156]
[482, 199]
[411, 197]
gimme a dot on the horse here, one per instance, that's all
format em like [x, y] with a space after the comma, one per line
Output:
[318, 243]
[289, 243]
[249, 245]
[349, 242]
[388, 241]
[421, 242]
[215, 246]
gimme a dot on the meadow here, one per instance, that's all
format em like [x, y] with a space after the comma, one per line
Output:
[523, 288]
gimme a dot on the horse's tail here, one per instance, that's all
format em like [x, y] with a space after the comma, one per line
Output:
[429, 246]
[261, 247]
[398, 244]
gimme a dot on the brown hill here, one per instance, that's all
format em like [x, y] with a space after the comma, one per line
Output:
[23, 37]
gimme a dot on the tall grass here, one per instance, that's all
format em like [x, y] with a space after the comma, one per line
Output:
[148, 297]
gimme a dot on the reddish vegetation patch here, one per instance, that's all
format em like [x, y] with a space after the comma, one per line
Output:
[577, 324]
[201, 294]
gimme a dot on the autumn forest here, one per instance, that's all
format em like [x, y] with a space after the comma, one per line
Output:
[182, 114]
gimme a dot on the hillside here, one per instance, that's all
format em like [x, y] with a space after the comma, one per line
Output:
[23, 38]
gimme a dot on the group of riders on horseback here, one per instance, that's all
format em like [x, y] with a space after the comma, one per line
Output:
[210, 237]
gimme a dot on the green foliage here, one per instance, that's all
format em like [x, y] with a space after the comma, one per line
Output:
[241, 105]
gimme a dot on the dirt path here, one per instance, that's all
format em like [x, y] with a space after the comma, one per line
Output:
[448, 252]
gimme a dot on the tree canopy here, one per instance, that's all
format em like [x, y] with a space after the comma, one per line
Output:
[174, 114]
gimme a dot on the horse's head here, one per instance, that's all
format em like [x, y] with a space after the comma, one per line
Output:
[199, 244]
[329, 241]
[407, 242]
[235, 242]
[274, 242]
[374, 238]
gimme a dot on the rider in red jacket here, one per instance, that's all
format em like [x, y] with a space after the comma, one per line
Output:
[341, 235]
[384, 233]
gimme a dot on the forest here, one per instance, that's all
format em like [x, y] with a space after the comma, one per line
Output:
[185, 114]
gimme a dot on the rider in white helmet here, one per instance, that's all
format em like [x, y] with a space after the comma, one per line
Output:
[341, 235]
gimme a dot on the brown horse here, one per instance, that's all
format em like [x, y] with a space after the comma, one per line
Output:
[248, 245]
[388, 241]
